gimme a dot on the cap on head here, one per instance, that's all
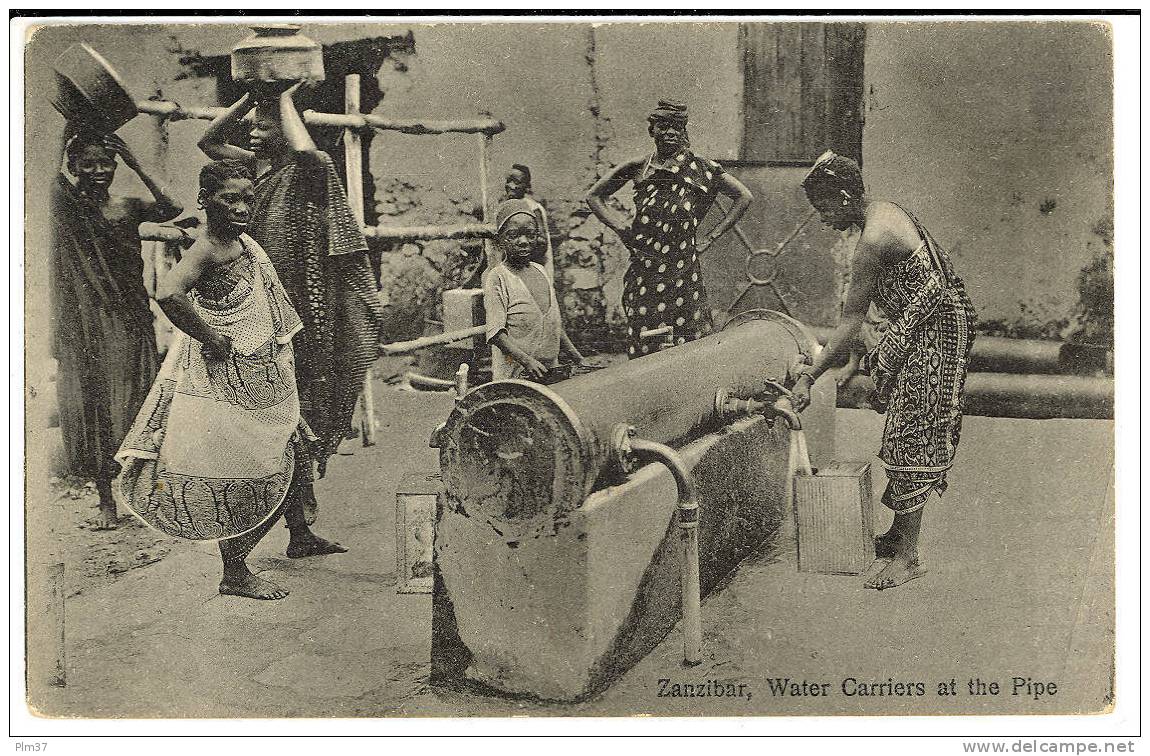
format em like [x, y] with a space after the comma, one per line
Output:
[510, 208]
[524, 170]
[674, 111]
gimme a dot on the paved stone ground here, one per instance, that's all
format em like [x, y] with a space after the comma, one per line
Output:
[1021, 584]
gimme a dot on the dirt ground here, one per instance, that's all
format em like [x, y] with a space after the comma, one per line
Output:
[64, 507]
[1021, 584]
[95, 558]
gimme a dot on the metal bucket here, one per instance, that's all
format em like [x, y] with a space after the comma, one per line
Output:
[276, 53]
[89, 92]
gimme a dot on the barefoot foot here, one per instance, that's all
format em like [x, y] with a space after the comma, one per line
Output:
[250, 586]
[312, 545]
[900, 570]
[886, 545]
[105, 518]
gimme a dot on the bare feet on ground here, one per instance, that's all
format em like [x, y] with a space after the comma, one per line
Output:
[899, 570]
[886, 545]
[312, 545]
[105, 518]
[250, 586]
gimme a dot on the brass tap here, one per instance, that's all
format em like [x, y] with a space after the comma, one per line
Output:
[774, 402]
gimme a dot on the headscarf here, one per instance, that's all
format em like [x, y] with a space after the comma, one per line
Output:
[674, 111]
[510, 208]
[834, 171]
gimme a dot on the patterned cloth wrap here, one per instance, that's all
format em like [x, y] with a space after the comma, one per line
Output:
[303, 220]
[919, 367]
[663, 285]
[213, 449]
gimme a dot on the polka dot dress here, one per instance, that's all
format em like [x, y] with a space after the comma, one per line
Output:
[664, 284]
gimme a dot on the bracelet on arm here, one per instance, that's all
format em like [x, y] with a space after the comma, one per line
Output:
[806, 374]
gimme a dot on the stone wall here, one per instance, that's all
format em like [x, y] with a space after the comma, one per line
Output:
[997, 135]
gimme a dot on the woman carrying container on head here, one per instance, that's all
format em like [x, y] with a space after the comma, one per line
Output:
[302, 218]
[920, 362]
[102, 332]
[523, 323]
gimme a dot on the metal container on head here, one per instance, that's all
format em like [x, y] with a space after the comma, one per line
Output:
[89, 92]
[276, 53]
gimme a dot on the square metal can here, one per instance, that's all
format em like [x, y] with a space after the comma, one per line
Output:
[834, 522]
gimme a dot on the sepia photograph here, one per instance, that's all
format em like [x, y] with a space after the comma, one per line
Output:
[443, 368]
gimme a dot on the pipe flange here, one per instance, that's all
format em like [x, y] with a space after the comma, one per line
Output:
[722, 396]
[807, 342]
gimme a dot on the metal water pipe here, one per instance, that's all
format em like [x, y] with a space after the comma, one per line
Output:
[629, 450]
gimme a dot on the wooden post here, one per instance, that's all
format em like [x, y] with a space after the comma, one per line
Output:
[484, 193]
[406, 347]
[45, 627]
[489, 248]
[57, 675]
[353, 162]
[353, 155]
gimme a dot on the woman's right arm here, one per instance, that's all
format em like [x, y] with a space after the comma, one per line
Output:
[172, 297]
[864, 277]
[295, 131]
[598, 195]
[214, 142]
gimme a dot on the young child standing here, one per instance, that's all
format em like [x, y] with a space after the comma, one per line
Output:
[523, 323]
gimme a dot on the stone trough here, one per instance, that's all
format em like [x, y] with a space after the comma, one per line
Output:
[558, 564]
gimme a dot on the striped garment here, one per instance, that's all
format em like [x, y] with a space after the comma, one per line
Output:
[102, 335]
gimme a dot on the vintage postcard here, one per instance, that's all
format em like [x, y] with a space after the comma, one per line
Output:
[696, 367]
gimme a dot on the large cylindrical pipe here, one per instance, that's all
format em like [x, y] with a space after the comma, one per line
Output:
[1001, 355]
[512, 450]
[996, 354]
[1037, 397]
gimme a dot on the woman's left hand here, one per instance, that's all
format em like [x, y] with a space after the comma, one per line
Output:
[801, 391]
